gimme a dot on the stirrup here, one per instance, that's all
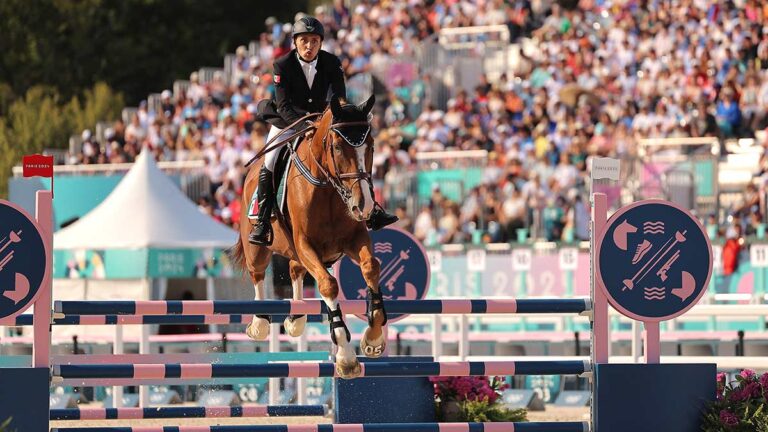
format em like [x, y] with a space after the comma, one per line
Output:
[371, 307]
[380, 219]
[337, 324]
[264, 239]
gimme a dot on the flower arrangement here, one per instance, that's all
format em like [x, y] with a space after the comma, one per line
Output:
[740, 404]
[473, 399]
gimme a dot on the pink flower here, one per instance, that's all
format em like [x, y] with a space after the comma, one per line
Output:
[747, 374]
[764, 381]
[721, 378]
[752, 390]
[728, 418]
[740, 395]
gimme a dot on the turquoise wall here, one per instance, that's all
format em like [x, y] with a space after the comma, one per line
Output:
[74, 196]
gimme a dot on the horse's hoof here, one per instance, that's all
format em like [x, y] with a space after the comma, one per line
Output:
[348, 369]
[295, 327]
[374, 348]
[258, 329]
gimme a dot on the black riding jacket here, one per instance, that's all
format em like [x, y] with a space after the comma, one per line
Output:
[294, 98]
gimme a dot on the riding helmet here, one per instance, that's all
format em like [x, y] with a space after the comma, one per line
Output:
[308, 24]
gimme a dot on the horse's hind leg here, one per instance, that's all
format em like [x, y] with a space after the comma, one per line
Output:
[294, 324]
[374, 342]
[347, 365]
[257, 264]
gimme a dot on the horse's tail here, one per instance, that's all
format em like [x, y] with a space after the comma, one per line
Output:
[237, 254]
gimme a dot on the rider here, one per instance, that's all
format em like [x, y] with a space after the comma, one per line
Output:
[305, 78]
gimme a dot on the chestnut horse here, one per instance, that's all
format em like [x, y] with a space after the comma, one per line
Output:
[329, 199]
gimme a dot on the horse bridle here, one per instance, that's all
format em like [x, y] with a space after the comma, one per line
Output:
[335, 179]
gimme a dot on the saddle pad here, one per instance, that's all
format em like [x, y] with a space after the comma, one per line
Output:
[282, 167]
[281, 188]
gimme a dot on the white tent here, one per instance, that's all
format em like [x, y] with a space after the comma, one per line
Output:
[146, 210]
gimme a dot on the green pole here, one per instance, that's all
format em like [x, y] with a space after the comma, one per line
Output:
[477, 240]
[760, 277]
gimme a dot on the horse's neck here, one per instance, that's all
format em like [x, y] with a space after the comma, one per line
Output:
[312, 154]
[313, 151]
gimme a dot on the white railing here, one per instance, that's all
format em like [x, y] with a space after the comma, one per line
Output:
[451, 159]
[469, 37]
[167, 166]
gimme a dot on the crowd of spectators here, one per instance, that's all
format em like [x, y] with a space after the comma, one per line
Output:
[597, 78]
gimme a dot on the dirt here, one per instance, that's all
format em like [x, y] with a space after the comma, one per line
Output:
[551, 414]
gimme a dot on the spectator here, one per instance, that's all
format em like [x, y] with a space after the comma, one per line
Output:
[728, 114]
[424, 224]
[602, 76]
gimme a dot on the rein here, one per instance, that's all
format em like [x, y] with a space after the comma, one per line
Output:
[282, 142]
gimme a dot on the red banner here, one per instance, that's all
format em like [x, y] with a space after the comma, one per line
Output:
[38, 165]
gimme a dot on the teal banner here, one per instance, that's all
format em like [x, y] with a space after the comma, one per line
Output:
[454, 183]
[74, 195]
[141, 263]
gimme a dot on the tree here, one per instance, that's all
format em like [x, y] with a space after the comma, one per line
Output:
[67, 64]
[42, 120]
[135, 46]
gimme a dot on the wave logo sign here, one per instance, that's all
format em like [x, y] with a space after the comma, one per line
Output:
[654, 293]
[653, 227]
[23, 260]
[382, 248]
[654, 260]
[404, 269]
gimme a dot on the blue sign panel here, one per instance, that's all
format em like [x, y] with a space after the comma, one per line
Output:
[23, 261]
[654, 260]
[404, 269]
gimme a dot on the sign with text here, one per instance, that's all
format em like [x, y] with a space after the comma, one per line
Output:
[569, 259]
[758, 255]
[605, 168]
[476, 260]
[521, 259]
[435, 260]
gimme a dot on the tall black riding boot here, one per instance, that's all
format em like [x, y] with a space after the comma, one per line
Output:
[380, 218]
[261, 234]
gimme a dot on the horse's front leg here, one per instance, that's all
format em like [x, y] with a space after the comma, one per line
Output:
[347, 365]
[294, 324]
[259, 258]
[374, 341]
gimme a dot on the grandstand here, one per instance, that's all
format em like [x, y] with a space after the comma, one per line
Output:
[489, 114]
[538, 88]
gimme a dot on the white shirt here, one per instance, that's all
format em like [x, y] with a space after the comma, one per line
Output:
[310, 70]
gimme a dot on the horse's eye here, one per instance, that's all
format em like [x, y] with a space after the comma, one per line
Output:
[337, 148]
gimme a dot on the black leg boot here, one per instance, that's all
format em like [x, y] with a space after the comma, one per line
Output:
[261, 234]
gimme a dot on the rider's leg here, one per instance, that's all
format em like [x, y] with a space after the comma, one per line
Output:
[379, 217]
[261, 233]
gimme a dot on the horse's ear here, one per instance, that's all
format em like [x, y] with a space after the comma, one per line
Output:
[335, 107]
[367, 106]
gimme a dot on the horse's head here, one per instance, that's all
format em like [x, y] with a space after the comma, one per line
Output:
[348, 148]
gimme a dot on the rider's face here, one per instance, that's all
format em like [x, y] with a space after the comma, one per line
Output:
[308, 45]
